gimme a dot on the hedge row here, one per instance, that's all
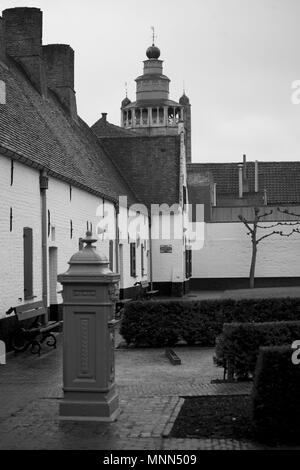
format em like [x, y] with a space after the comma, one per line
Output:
[275, 396]
[238, 345]
[164, 322]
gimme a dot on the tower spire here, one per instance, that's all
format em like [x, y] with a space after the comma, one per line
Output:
[153, 36]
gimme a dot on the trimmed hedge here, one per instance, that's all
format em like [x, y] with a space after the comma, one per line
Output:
[164, 322]
[275, 396]
[239, 343]
[151, 323]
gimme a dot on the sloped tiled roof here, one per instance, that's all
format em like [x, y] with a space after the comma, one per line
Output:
[42, 133]
[103, 128]
[150, 166]
[280, 179]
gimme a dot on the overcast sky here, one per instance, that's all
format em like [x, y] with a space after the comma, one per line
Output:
[238, 59]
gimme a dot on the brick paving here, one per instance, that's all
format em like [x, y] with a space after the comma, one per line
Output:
[150, 391]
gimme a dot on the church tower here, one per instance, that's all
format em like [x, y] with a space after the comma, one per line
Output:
[153, 113]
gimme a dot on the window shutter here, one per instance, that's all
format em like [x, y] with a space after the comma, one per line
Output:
[132, 260]
[184, 195]
[111, 255]
[28, 266]
[142, 259]
[49, 223]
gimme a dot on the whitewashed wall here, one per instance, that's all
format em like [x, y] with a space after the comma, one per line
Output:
[24, 198]
[82, 210]
[127, 280]
[167, 267]
[227, 253]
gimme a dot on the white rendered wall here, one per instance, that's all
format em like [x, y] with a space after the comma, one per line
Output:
[82, 210]
[127, 280]
[168, 267]
[24, 198]
[227, 253]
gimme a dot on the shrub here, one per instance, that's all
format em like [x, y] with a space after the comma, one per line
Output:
[275, 396]
[151, 324]
[238, 345]
[164, 322]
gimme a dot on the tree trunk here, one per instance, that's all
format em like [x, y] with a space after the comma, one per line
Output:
[253, 263]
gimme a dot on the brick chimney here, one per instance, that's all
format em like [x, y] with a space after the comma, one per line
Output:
[241, 180]
[256, 176]
[2, 44]
[245, 179]
[59, 65]
[23, 42]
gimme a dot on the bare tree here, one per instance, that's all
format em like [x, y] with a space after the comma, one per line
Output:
[253, 227]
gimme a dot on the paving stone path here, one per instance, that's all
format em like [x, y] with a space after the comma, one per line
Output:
[150, 391]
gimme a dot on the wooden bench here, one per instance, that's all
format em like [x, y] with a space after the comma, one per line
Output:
[37, 333]
[148, 293]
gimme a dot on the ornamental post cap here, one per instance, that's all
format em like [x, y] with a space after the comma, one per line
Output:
[89, 240]
[89, 254]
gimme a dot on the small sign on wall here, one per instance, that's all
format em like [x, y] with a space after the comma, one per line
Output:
[166, 248]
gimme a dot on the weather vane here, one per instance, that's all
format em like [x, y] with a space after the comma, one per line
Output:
[153, 35]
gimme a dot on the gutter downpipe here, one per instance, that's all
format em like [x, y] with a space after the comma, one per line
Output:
[43, 188]
[150, 252]
[117, 238]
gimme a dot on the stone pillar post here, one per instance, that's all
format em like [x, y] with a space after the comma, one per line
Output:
[90, 291]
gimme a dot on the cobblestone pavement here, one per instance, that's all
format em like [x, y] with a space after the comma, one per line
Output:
[150, 391]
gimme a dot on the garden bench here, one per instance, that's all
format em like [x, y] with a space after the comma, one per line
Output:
[37, 333]
[147, 293]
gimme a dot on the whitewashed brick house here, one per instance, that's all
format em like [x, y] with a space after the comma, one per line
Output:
[58, 179]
